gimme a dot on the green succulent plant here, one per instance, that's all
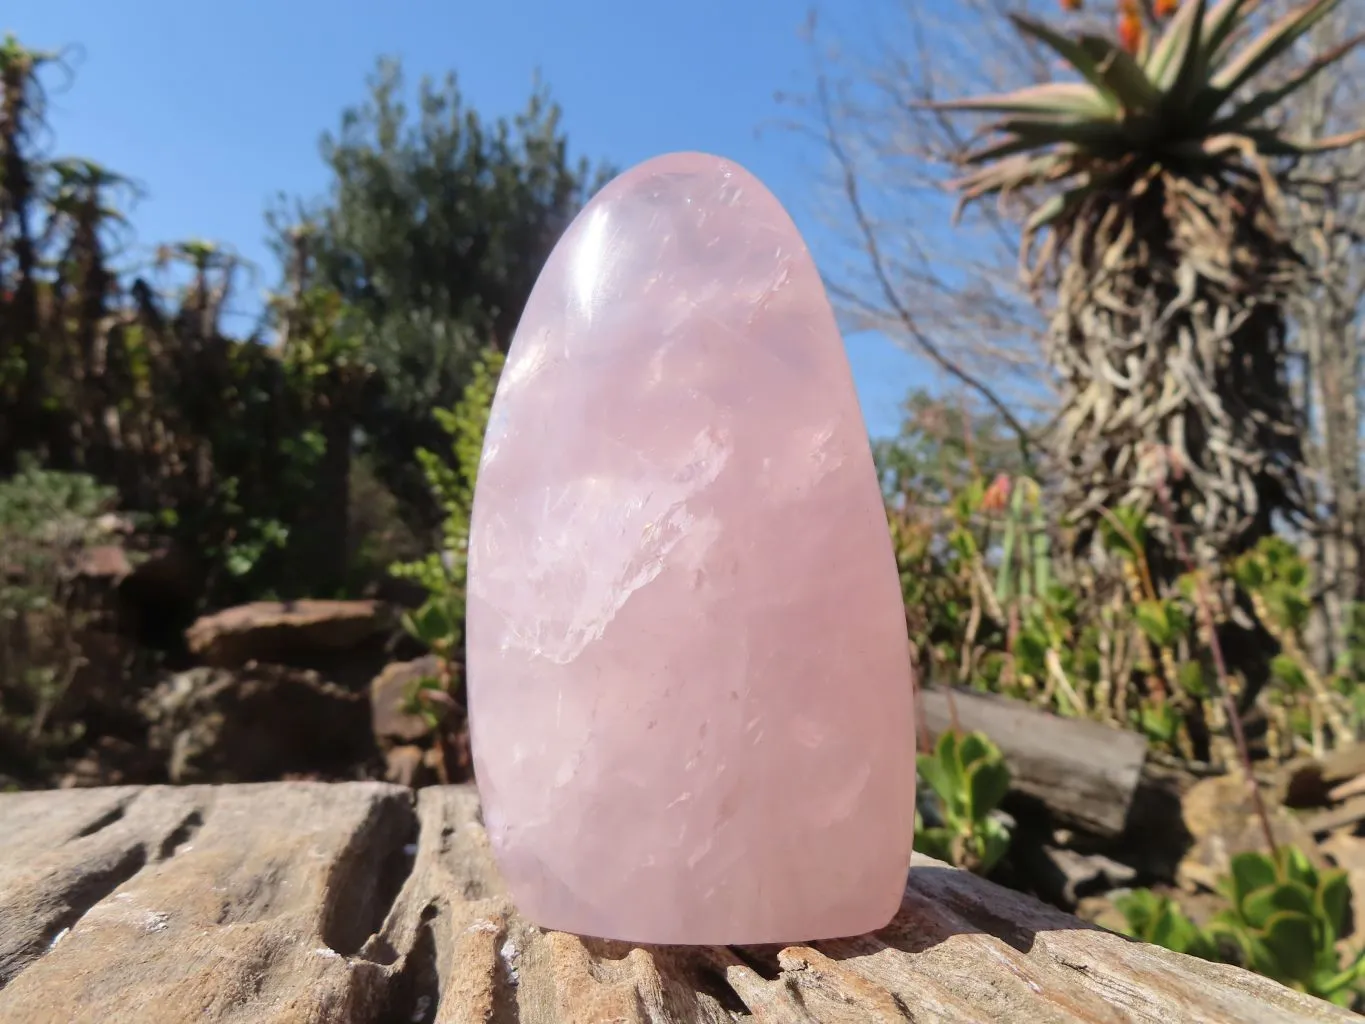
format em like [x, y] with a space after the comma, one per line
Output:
[1159, 920]
[969, 777]
[1284, 919]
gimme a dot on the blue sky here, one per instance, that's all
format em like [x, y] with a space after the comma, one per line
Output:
[216, 108]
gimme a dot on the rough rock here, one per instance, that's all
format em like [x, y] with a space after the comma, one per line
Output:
[346, 904]
[1064, 877]
[407, 766]
[256, 723]
[1220, 815]
[286, 632]
[388, 693]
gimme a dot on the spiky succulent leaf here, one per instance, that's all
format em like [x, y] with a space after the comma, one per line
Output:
[1220, 27]
[1267, 99]
[1191, 70]
[1077, 54]
[1054, 99]
[1100, 137]
[1122, 75]
[1164, 106]
[1256, 56]
[1271, 143]
[1170, 52]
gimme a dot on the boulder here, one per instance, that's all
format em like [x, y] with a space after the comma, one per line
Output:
[389, 691]
[301, 633]
[407, 766]
[257, 723]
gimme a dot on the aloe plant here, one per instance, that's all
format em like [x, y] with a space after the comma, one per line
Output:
[1153, 178]
[969, 777]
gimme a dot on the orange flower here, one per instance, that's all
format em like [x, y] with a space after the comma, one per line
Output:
[997, 495]
[1072, 5]
[1130, 31]
[1165, 8]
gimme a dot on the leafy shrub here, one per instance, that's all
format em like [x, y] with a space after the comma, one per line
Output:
[439, 623]
[46, 518]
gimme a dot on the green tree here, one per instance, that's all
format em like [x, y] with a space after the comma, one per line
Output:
[434, 228]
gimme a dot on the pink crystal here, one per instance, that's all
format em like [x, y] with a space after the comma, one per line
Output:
[689, 678]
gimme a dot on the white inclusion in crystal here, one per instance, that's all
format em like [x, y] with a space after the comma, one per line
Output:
[841, 798]
[700, 853]
[822, 454]
[591, 514]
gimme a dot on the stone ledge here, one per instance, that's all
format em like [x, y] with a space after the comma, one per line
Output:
[285, 903]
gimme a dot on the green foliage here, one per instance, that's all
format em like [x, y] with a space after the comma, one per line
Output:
[1278, 580]
[46, 519]
[1280, 577]
[1159, 920]
[968, 776]
[50, 507]
[452, 484]
[439, 622]
[434, 228]
[941, 448]
[991, 605]
[1282, 920]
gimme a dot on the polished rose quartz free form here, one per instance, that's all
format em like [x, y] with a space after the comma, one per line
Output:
[689, 679]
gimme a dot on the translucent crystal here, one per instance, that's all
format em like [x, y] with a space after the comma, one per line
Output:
[689, 678]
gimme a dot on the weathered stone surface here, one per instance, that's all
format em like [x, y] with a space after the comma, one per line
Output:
[683, 604]
[1066, 877]
[256, 723]
[1221, 817]
[284, 631]
[407, 766]
[388, 696]
[296, 903]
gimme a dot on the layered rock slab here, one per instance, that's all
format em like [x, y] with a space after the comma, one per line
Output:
[688, 671]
